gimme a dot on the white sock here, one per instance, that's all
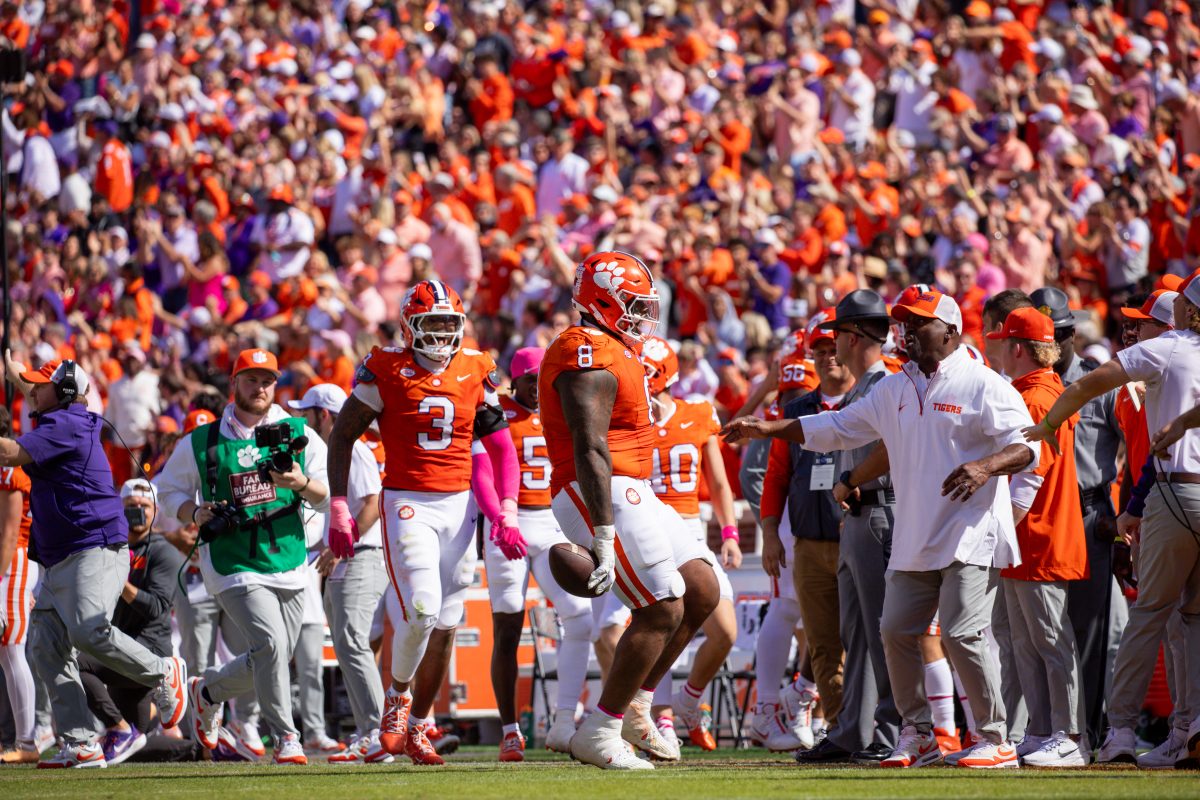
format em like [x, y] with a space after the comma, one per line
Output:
[663, 692]
[513, 728]
[393, 693]
[425, 722]
[21, 692]
[939, 689]
[572, 672]
[774, 645]
[966, 704]
[803, 684]
[643, 700]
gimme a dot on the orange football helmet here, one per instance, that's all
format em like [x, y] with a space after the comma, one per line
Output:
[616, 289]
[661, 363]
[433, 318]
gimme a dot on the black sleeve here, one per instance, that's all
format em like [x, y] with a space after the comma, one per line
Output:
[488, 420]
[156, 594]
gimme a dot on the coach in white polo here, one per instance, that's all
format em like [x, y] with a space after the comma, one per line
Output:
[950, 426]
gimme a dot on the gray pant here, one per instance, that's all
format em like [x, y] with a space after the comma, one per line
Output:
[1177, 674]
[1088, 604]
[72, 615]
[1046, 659]
[868, 712]
[310, 681]
[199, 624]
[270, 619]
[962, 595]
[1015, 711]
[350, 603]
[1168, 570]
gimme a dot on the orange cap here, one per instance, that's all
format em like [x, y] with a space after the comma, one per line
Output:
[260, 279]
[832, 136]
[871, 170]
[816, 330]
[196, 418]
[256, 359]
[1156, 19]
[978, 9]
[839, 39]
[1026, 323]
[41, 375]
[281, 192]
[1169, 282]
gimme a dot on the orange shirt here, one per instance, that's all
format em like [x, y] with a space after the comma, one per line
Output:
[630, 429]
[14, 479]
[494, 101]
[798, 373]
[678, 454]
[1131, 417]
[807, 253]
[831, 222]
[885, 202]
[426, 421]
[734, 139]
[533, 79]
[114, 176]
[1051, 536]
[529, 439]
[514, 210]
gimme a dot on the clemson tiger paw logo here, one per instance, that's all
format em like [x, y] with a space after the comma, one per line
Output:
[655, 349]
[632, 496]
[607, 275]
[247, 456]
[406, 512]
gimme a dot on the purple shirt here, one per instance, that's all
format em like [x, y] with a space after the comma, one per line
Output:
[71, 500]
[779, 275]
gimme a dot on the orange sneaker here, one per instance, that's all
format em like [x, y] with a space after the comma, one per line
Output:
[418, 748]
[948, 741]
[393, 730]
[701, 735]
[512, 748]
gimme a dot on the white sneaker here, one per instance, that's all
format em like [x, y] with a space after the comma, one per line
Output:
[598, 742]
[558, 736]
[987, 755]
[1119, 747]
[763, 723]
[1030, 744]
[171, 693]
[324, 744]
[373, 752]
[353, 754]
[1057, 751]
[43, 739]
[1166, 754]
[915, 749]
[639, 729]
[76, 756]
[793, 723]
[289, 750]
[208, 715]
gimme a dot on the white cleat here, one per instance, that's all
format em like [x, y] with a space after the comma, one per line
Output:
[763, 723]
[1166, 754]
[792, 729]
[1120, 747]
[1057, 751]
[639, 730]
[598, 742]
[558, 737]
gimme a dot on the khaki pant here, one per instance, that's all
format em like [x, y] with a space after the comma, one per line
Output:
[814, 569]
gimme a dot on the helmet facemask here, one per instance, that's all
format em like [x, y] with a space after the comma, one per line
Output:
[437, 335]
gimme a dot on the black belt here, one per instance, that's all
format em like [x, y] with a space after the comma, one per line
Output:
[877, 497]
[1100, 495]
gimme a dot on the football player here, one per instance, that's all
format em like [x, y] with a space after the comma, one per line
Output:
[595, 408]
[431, 398]
[519, 543]
[686, 446]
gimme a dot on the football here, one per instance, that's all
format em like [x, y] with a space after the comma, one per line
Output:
[571, 566]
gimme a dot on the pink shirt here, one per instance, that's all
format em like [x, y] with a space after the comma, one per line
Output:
[456, 256]
[1090, 127]
[793, 136]
[1026, 270]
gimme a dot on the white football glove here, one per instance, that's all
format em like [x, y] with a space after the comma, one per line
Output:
[601, 579]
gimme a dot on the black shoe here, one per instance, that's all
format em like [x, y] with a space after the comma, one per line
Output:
[825, 752]
[872, 753]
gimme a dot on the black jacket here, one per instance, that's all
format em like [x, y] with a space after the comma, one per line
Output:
[813, 514]
[153, 569]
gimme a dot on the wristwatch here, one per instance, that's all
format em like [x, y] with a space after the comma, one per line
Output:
[845, 478]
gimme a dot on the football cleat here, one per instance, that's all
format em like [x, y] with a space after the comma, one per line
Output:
[792, 729]
[558, 737]
[763, 723]
[598, 742]
[442, 740]
[418, 748]
[393, 732]
[512, 747]
[639, 730]
[948, 741]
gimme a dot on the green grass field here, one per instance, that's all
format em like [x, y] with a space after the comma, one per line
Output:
[475, 775]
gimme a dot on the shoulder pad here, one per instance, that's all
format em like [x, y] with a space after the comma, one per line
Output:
[364, 374]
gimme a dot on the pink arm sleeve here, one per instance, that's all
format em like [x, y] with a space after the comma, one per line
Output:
[483, 483]
[500, 448]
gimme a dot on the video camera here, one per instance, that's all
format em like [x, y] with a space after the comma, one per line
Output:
[279, 441]
[224, 520]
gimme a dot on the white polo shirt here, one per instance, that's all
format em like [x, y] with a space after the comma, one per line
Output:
[964, 412]
[1170, 367]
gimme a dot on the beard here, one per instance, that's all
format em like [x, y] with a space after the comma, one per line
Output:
[252, 403]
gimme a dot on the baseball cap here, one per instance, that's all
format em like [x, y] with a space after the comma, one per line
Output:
[41, 375]
[1049, 113]
[1190, 288]
[1025, 323]
[281, 192]
[328, 396]
[139, 486]
[196, 418]
[256, 358]
[526, 361]
[420, 250]
[1053, 302]
[1169, 282]
[386, 236]
[1159, 306]
[820, 327]
[932, 305]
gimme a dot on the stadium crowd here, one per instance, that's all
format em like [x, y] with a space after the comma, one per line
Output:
[192, 182]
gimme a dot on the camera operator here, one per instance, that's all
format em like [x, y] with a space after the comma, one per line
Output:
[144, 613]
[253, 556]
[79, 535]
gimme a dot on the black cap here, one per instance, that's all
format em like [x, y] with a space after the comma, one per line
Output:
[1053, 303]
[858, 306]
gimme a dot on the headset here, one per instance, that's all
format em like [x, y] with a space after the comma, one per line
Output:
[67, 388]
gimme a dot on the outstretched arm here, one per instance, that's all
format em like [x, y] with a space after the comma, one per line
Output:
[1106, 378]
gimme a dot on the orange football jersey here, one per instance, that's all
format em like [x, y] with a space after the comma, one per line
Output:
[529, 439]
[14, 479]
[678, 452]
[630, 430]
[798, 373]
[427, 421]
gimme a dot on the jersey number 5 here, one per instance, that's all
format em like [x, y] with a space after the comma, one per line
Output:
[443, 423]
[533, 456]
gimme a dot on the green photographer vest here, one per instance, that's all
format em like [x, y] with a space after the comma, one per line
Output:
[269, 539]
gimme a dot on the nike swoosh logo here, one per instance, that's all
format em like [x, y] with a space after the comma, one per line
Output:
[462, 378]
[903, 406]
[686, 424]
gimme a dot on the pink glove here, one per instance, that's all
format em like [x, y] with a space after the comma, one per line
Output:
[343, 528]
[505, 532]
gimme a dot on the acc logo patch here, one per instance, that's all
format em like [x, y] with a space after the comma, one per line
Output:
[509, 414]
[406, 512]
[632, 496]
[407, 372]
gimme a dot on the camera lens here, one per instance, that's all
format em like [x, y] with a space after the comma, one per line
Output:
[281, 462]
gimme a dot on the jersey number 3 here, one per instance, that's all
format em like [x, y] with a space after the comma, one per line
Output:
[443, 423]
